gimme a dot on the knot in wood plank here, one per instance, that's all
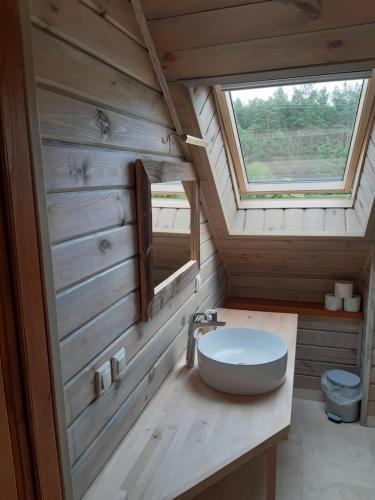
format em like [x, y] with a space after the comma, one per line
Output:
[334, 44]
[105, 245]
[103, 123]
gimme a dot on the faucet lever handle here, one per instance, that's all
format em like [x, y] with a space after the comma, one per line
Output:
[211, 314]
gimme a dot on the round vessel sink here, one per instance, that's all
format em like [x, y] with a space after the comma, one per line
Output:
[242, 360]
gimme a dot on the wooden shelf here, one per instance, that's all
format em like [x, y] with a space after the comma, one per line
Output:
[288, 306]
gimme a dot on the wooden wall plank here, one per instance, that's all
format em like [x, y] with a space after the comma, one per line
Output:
[327, 339]
[238, 224]
[60, 65]
[314, 219]
[83, 302]
[294, 218]
[333, 355]
[255, 220]
[77, 213]
[79, 349]
[120, 14]
[207, 250]
[316, 368]
[252, 290]
[236, 265]
[371, 409]
[171, 258]
[76, 168]
[286, 283]
[200, 96]
[90, 32]
[353, 224]
[334, 219]
[307, 382]
[78, 259]
[328, 324]
[165, 239]
[276, 287]
[205, 232]
[339, 245]
[314, 257]
[65, 119]
[274, 219]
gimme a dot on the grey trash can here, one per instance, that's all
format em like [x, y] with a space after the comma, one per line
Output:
[343, 392]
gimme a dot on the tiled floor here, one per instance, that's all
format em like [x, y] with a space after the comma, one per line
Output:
[319, 461]
[325, 461]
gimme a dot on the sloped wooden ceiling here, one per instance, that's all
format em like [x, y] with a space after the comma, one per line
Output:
[209, 38]
[225, 39]
[267, 253]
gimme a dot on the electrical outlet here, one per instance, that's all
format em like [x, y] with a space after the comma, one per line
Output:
[198, 282]
[103, 378]
[118, 363]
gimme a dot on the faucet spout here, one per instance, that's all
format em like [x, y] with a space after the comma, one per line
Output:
[209, 321]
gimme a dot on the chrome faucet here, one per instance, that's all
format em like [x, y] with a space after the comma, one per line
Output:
[208, 320]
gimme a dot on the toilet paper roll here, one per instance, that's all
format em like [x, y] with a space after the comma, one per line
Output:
[352, 304]
[344, 289]
[332, 303]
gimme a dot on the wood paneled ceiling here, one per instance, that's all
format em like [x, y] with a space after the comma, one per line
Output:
[211, 38]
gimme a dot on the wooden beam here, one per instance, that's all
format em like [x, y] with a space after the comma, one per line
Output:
[165, 171]
[157, 66]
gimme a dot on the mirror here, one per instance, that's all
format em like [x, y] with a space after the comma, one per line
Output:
[168, 227]
[171, 236]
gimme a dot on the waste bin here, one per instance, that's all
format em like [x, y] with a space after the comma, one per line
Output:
[343, 392]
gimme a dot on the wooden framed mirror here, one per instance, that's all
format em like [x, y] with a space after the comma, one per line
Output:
[167, 198]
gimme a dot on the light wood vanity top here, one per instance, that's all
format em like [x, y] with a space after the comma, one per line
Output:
[190, 435]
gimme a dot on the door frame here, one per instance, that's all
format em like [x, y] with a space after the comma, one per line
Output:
[27, 330]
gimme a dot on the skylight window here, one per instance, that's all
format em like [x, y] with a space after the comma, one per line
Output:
[297, 137]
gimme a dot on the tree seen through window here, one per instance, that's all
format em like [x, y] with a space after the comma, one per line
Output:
[296, 133]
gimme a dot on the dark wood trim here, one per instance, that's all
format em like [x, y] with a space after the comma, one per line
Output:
[144, 228]
[14, 416]
[8, 478]
[25, 271]
[288, 306]
[146, 173]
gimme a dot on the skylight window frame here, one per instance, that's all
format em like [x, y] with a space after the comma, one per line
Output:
[355, 157]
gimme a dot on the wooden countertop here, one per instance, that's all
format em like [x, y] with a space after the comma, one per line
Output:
[189, 436]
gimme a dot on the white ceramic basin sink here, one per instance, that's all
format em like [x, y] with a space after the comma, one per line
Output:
[242, 360]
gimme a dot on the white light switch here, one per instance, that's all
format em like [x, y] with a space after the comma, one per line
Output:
[103, 377]
[118, 363]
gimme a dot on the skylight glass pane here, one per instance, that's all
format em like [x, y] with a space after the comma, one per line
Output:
[296, 133]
